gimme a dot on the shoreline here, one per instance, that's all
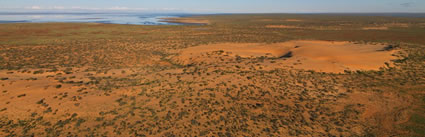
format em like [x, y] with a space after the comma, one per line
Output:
[185, 20]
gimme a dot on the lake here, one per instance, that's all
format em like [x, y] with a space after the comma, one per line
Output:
[137, 18]
[108, 18]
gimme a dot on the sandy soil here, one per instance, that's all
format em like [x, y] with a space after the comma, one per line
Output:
[283, 27]
[306, 28]
[287, 20]
[323, 56]
[387, 26]
[375, 28]
[293, 20]
[23, 90]
[386, 109]
[130, 81]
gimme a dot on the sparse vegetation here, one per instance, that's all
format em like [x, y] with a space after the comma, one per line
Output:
[122, 80]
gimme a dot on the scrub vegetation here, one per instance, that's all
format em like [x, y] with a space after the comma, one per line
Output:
[85, 79]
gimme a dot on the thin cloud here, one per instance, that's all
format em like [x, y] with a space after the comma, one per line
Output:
[118, 8]
[34, 8]
[80, 8]
[407, 4]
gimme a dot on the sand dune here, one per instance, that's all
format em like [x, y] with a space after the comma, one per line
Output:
[324, 56]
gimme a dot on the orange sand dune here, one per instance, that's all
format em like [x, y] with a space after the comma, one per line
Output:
[324, 56]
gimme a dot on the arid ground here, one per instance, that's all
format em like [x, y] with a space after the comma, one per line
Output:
[229, 75]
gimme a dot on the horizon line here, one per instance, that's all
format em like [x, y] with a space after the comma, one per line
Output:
[176, 12]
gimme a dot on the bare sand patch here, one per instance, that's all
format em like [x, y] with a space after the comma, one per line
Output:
[387, 26]
[375, 28]
[400, 25]
[293, 20]
[323, 56]
[283, 27]
[247, 50]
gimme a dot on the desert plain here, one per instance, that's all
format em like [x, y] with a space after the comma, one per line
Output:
[217, 75]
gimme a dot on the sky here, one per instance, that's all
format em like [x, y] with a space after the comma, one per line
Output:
[217, 6]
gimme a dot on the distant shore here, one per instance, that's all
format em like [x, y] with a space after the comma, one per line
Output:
[186, 20]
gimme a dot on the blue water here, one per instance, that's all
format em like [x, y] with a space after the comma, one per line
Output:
[108, 18]
[133, 18]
